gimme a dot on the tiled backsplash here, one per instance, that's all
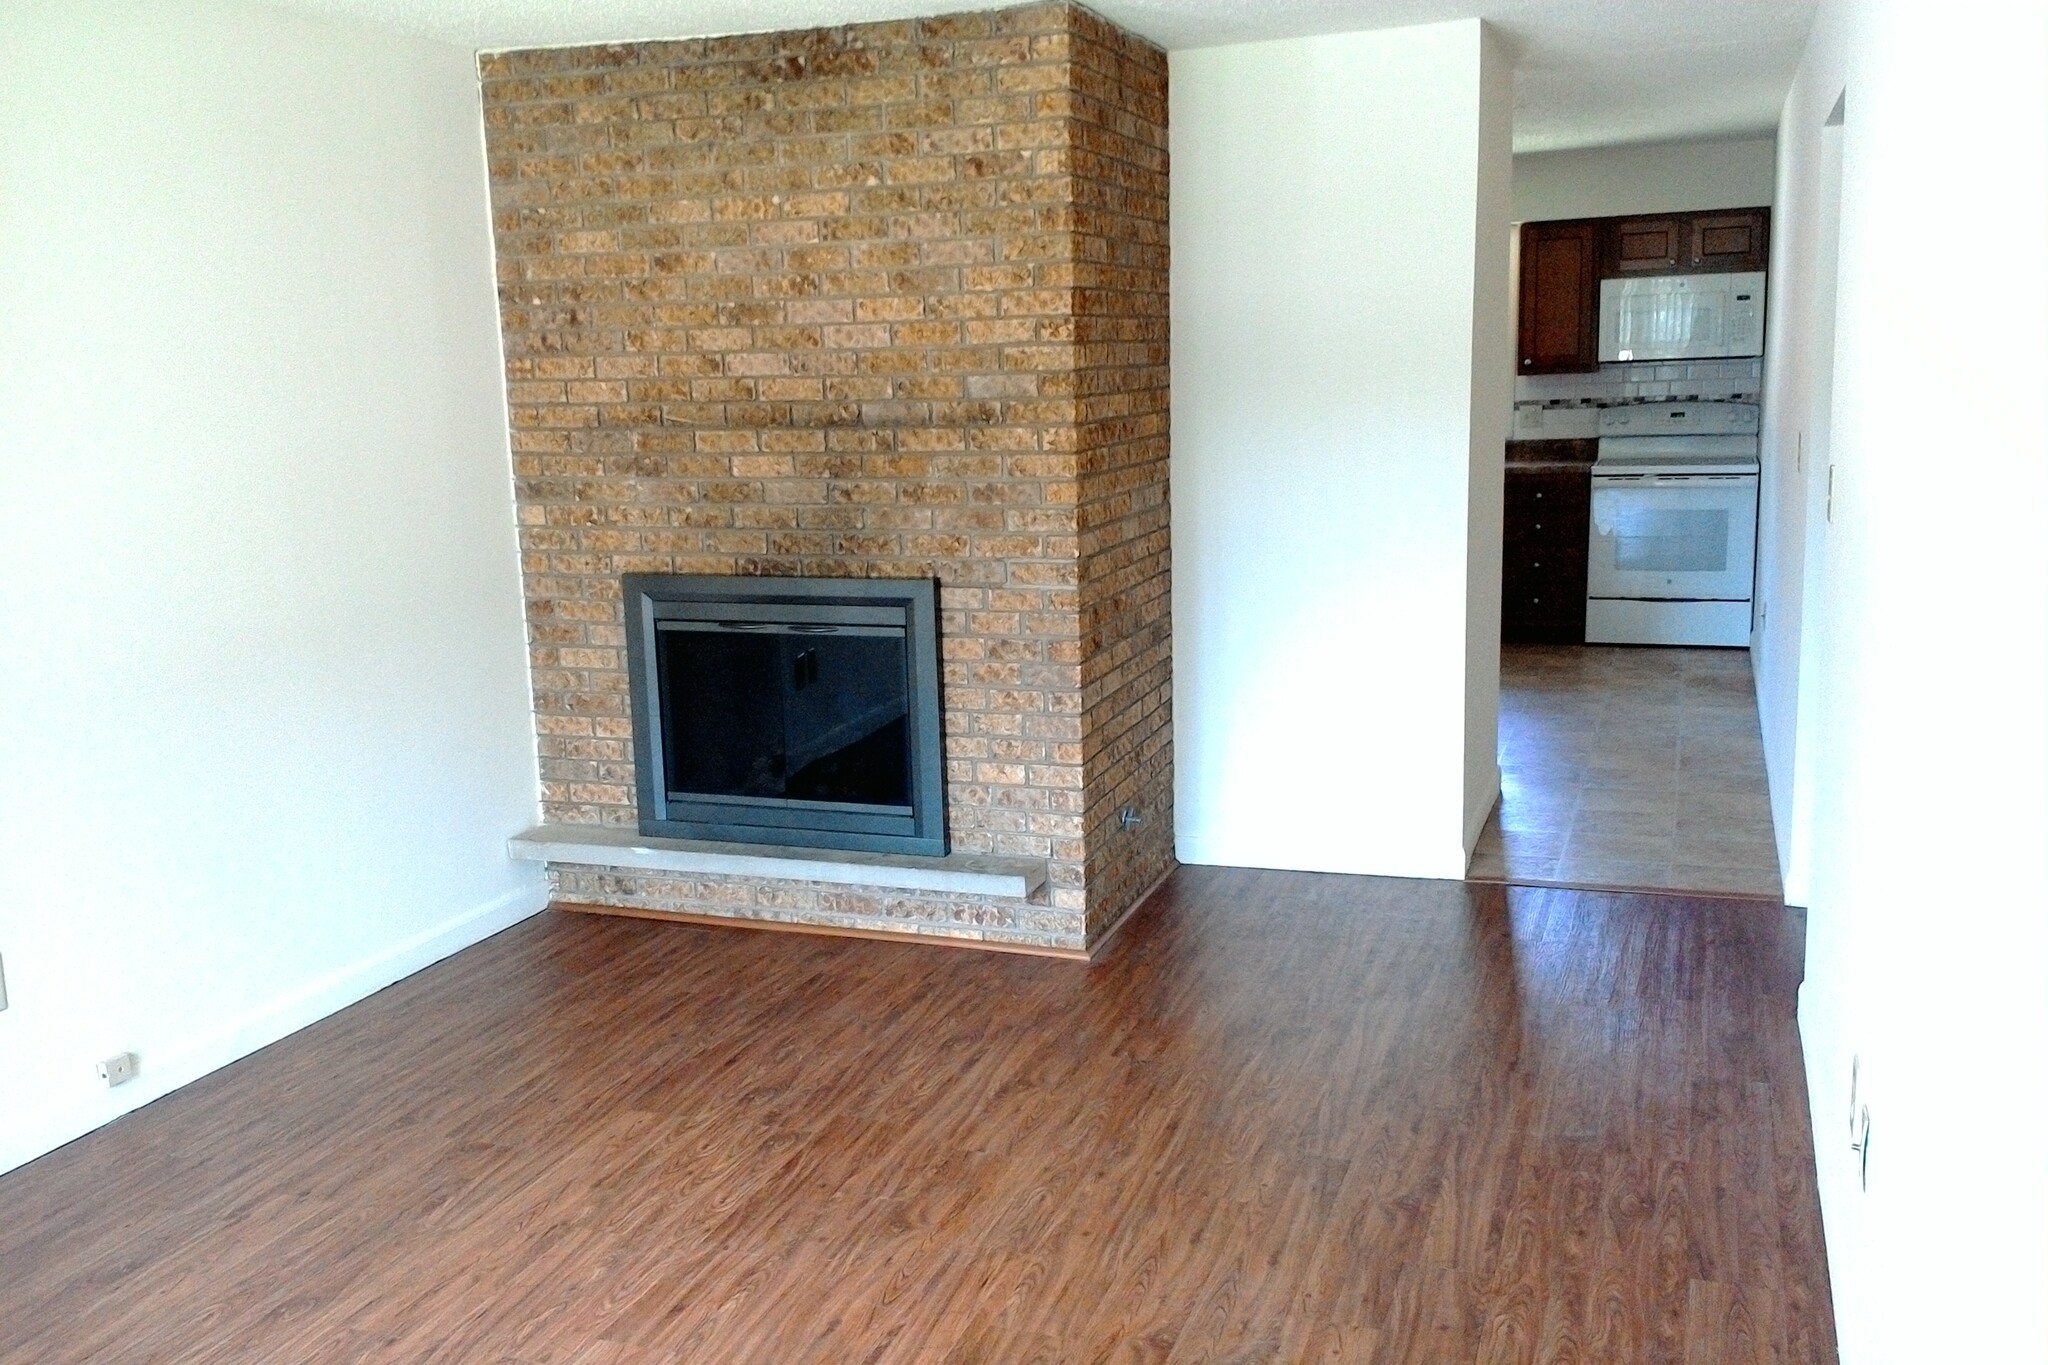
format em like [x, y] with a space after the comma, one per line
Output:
[1650, 381]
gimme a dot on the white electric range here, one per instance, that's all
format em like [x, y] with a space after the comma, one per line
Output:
[1672, 545]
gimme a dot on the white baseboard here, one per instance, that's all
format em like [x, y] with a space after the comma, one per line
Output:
[1211, 851]
[23, 1138]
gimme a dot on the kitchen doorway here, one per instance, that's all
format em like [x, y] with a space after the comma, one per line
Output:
[1629, 741]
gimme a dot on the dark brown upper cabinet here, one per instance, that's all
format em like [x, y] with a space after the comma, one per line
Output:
[1736, 240]
[1685, 243]
[1644, 246]
[1559, 331]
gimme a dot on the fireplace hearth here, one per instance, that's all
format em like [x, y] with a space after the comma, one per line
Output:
[791, 711]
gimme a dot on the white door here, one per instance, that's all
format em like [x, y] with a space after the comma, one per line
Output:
[1683, 537]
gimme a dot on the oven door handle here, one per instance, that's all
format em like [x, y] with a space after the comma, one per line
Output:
[1669, 480]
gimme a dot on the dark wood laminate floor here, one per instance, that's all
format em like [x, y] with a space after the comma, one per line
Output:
[1290, 1118]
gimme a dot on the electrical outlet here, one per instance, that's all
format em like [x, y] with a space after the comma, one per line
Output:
[118, 1069]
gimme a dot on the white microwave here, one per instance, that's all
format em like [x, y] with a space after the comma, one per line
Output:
[1682, 317]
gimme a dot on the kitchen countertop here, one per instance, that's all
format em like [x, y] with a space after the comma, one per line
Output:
[1571, 453]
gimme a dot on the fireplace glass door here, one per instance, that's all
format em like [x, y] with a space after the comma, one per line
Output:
[787, 711]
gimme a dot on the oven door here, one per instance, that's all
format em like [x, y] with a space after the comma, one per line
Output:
[1675, 537]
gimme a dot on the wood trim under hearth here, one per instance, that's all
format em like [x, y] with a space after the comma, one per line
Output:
[829, 930]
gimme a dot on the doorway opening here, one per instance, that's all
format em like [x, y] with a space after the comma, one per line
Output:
[1630, 741]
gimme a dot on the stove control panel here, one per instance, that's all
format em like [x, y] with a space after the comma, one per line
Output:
[1680, 419]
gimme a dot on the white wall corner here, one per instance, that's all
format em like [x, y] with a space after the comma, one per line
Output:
[1492, 395]
[1478, 808]
[271, 577]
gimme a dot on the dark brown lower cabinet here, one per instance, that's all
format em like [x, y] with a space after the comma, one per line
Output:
[1543, 566]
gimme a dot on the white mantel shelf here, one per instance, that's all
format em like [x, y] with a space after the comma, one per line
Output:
[974, 874]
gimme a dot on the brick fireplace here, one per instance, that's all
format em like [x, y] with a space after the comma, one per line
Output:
[887, 300]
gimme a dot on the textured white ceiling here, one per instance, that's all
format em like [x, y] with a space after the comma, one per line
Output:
[1587, 72]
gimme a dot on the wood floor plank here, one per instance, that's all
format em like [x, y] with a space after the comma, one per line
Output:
[1287, 1118]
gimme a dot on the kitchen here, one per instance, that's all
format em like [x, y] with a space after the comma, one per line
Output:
[1629, 744]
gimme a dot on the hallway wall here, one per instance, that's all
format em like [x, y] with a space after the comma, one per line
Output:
[1927, 955]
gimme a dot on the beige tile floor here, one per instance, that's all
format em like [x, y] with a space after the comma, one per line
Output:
[1630, 766]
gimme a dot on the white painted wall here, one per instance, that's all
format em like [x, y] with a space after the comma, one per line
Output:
[255, 509]
[1663, 177]
[1490, 417]
[1927, 951]
[1792, 563]
[1340, 362]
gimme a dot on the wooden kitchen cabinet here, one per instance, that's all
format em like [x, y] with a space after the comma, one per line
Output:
[1558, 317]
[1559, 331]
[1543, 562]
[1685, 243]
[1736, 240]
[1645, 246]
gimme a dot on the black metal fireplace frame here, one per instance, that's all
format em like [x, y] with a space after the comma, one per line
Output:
[653, 598]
